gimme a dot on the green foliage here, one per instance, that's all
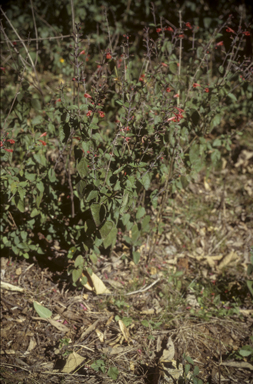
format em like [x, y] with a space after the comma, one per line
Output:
[87, 159]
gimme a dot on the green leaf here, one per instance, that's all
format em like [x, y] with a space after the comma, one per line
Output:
[145, 224]
[110, 240]
[136, 257]
[51, 175]
[125, 218]
[145, 323]
[106, 228]
[42, 311]
[21, 205]
[93, 258]
[232, 96]
[79, 261]
[189, 359]
[127, 321]
[76, 274]
[135, 233]
[140, 212]
[82, 167]
[145, 180]
[113, 373]
[173, 67]
[215, 121]
[36, 104]
[95, 210]
[35, 212]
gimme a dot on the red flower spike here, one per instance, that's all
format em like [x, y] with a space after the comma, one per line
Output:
[181, 36]
[246, 33]
[88, 114]
[8, 150]
[206, 90]
[11, 141]
[188, 25]
[158, 30]
[43, 134]
[43, 142]
[195, 85]
[101, 113]
[219, 44]
[169, 29]
[168, 90]
[108, 56]
[87, 96]
[82, 53]
[164, 65]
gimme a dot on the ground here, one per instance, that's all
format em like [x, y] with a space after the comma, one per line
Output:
[185, 306]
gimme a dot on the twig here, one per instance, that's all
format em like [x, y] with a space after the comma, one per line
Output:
[36, 33]
[143, 289]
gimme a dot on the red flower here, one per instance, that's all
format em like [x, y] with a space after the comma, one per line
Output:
[230, 30]
[181, 36]
[168, 90]
[158, 30]
[87, 96]
[219, 44]
[127, 139]
[164, 65]
[1, 143]
[8, 150]
[14, 43]
[169, 29]
[88, 114]
[82, 53]
[11, 141]
[101, 113]
[43, 142]
[206, 90]
[108, 56]
[246, 33]
[188, 25]
[88, 151]
[3, 69]
[195, 85]
[43, 134]
[74, 79]
[176, 95]
[58, 100]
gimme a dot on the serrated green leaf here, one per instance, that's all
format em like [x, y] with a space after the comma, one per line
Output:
[43, 312]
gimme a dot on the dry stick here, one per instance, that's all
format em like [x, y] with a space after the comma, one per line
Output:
[25, 47]
[7, 40]
[36, 33]
[50, 38]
